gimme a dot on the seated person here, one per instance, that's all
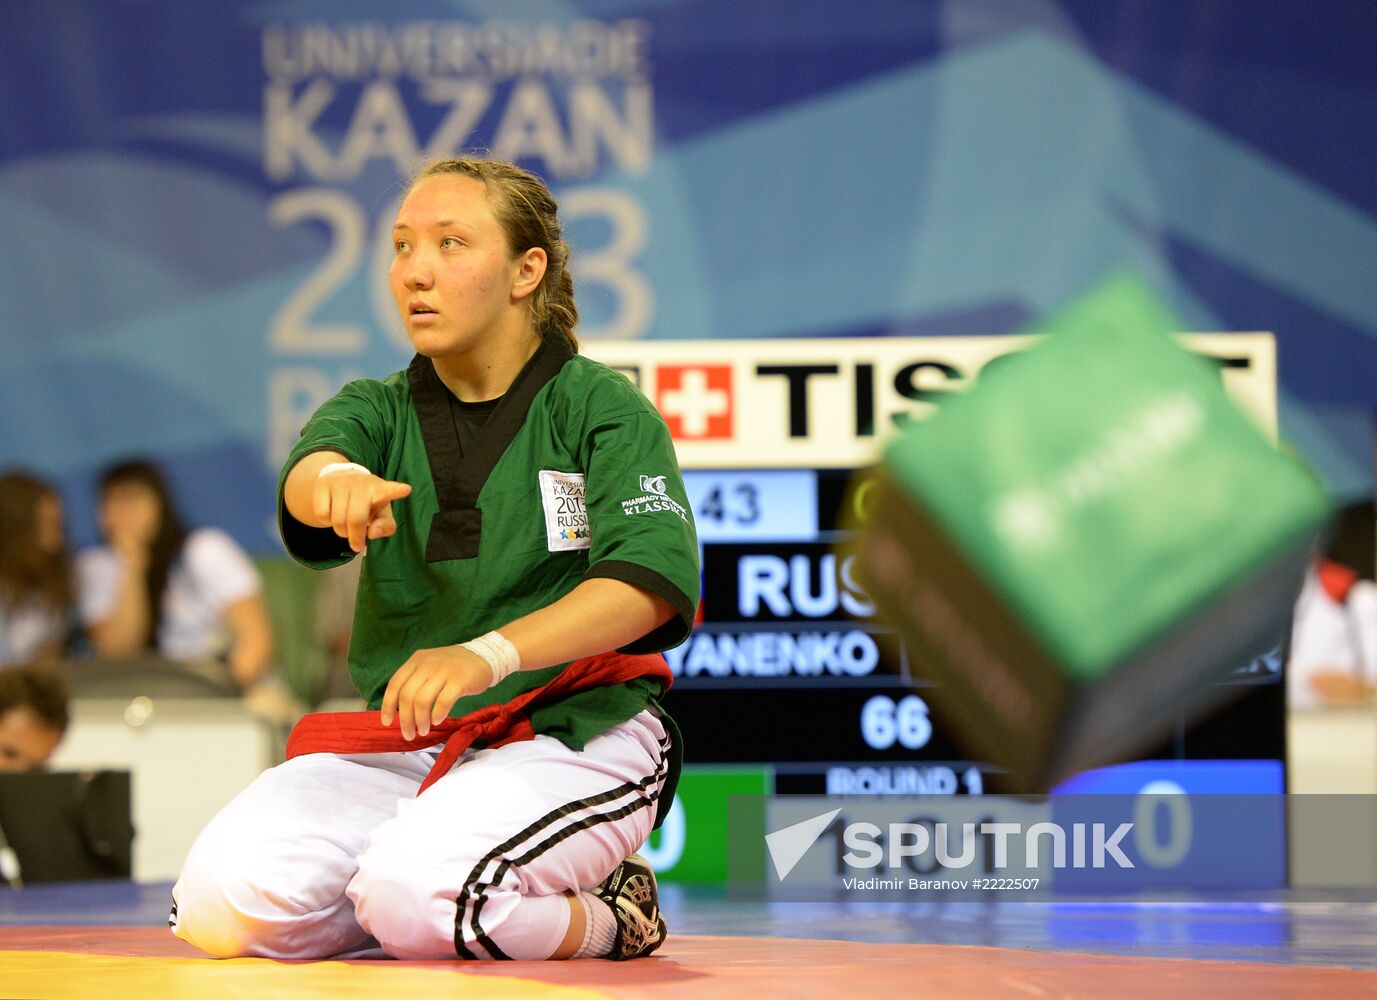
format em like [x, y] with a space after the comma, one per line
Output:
[1333, 659]
[33, 716]
[157, 586]
[35, 571]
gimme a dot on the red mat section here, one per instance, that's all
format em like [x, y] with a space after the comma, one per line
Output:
[740, 967]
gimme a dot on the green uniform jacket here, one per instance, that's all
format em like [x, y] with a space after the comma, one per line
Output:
[574, 477]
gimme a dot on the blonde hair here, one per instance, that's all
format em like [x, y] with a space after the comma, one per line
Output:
[529, 217]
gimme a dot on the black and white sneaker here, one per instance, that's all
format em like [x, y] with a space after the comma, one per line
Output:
[635, 900]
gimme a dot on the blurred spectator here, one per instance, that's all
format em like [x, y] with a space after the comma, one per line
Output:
[1334, 642]
[33, 716]
[157, 586]
[1334, 639]
[36, 593]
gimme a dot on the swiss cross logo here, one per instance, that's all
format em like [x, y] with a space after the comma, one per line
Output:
[695, 400]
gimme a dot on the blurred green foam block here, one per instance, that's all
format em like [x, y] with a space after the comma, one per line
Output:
[1082, 545]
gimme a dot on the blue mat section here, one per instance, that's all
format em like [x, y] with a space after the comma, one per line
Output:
[113, 903]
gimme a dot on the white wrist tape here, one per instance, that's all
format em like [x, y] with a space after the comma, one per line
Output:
[497, 652]
[334, 467]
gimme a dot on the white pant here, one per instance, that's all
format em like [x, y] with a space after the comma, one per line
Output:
[328, 855]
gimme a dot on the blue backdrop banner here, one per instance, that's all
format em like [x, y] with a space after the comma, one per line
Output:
[196, 198]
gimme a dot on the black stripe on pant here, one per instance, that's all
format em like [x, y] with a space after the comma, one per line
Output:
[475, 887]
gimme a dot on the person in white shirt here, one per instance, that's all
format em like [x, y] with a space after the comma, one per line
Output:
[36, 592]
[157, 586]
[1333, 658]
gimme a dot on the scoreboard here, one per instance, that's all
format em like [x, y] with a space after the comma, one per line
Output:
[788, 683]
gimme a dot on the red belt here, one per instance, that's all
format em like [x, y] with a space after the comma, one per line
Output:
[498, 725]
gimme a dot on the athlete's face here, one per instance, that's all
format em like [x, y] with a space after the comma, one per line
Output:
[453, 275]
[26, 741]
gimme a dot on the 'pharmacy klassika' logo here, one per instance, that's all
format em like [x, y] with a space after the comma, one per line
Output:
[1079, 845]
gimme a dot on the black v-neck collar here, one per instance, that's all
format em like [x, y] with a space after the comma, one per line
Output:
[456, 528]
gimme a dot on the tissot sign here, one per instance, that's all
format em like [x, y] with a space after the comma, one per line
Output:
[832, 403]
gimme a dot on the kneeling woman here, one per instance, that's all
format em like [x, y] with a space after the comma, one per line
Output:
[518, 580]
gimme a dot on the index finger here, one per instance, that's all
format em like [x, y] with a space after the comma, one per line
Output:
[386, 491]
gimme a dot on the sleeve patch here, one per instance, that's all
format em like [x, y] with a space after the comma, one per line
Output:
[654, 496]
[563, 497]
